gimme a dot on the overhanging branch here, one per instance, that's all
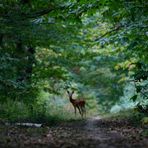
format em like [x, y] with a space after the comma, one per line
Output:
[43, 12]
[39, 13]
[109, 32]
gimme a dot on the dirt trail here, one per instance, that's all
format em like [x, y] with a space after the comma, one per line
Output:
[98, 133]
[91, 133]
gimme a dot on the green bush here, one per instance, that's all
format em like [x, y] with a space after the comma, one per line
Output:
[11, 111]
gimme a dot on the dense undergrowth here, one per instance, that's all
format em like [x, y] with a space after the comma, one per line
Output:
[52, 114]
[132, 115]
[20, 112]
[38, 113]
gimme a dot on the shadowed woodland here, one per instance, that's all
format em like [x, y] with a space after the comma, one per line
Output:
[74, 73]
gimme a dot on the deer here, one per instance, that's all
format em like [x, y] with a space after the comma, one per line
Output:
[77, 104]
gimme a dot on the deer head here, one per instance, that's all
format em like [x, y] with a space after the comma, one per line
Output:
[70, 94]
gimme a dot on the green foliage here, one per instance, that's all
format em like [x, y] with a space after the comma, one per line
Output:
[95, 46]
[13, 111]
[127, 36]
[23, 31]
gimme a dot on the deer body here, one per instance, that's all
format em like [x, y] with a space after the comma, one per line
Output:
[77, 104]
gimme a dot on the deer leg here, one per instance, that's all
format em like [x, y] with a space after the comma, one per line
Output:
[80, 111]
[84, 110]
[75, 110]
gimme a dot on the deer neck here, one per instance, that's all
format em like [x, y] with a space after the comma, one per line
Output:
[71, 99]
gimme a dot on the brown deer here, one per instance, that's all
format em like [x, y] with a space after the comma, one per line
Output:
[77, 104]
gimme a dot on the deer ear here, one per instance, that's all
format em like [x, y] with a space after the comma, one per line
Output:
[67, 91]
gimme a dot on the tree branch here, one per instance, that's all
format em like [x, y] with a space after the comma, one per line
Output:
[109, 32]
[39, 13]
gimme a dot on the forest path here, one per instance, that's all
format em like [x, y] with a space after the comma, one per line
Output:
[89, 133]
[96, 132]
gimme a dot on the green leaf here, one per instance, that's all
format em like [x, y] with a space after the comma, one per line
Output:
[134, 98]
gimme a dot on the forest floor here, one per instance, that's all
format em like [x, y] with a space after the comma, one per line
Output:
[89, 133]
